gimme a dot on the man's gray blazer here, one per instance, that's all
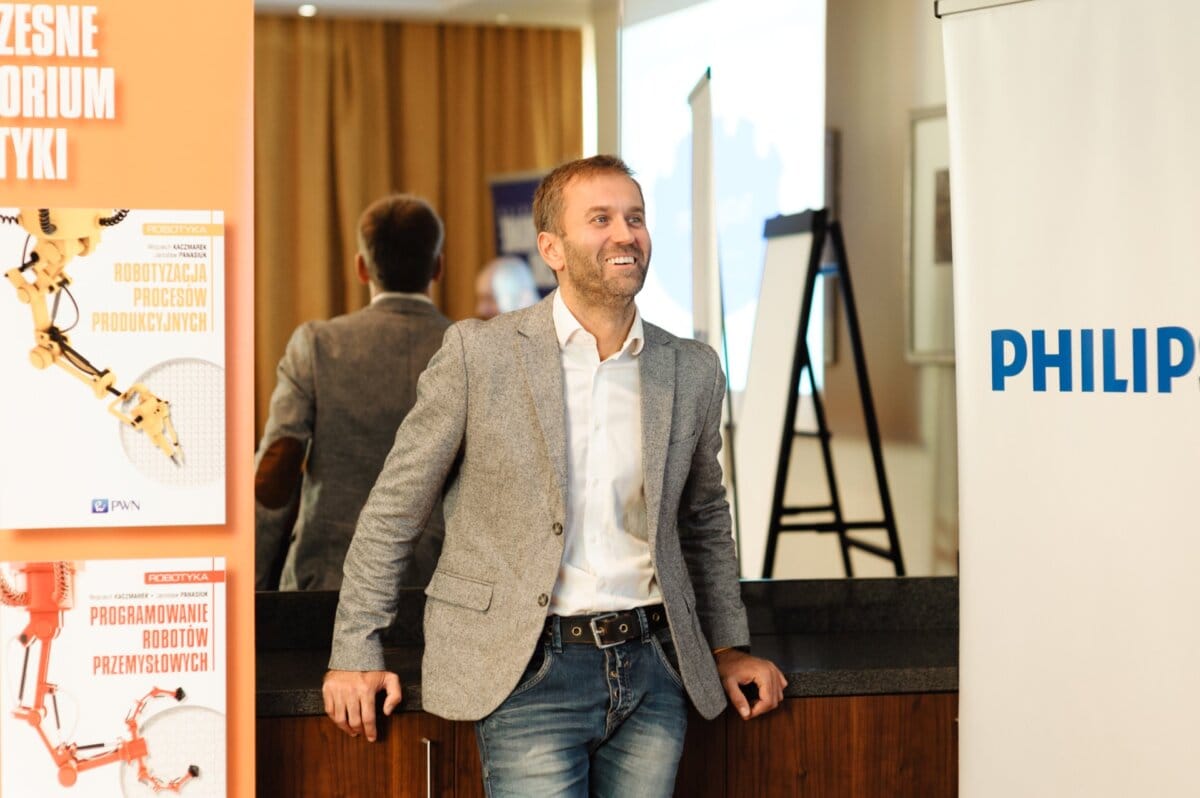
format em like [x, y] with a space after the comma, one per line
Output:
[489, 424]
[344, 386]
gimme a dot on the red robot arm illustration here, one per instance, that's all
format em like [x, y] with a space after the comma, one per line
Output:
[42, 280]
[49, 591]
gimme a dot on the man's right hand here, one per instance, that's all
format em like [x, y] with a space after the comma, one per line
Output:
[350, 699]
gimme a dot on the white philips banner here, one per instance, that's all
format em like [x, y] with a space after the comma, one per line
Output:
[1076, 199]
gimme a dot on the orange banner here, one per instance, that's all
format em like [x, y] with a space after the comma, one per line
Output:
[119, 104]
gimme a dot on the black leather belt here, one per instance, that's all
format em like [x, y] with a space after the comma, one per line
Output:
[608, 629]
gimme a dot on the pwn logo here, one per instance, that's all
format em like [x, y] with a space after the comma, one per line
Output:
[1109, 361]
[115, 505]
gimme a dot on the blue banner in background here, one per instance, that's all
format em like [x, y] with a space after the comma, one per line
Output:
[512, 216]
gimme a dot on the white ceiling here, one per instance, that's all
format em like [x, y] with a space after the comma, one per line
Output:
[573, 13]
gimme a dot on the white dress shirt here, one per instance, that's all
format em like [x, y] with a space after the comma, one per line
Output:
[402, 294]
[606, 563]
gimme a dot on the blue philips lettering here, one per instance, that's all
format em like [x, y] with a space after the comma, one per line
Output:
[1087, 356]
[1108, 345]
[1043, 360]
[1002, 369]
[1168, 369]
[1123, 358]
[1139, 360]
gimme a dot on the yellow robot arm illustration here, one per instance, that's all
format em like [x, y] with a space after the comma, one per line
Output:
[150, 415]
[41, 281]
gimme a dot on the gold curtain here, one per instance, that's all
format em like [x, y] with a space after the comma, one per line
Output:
[349, 110]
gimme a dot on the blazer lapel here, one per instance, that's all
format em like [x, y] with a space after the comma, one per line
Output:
[656, 369]
[543, 373]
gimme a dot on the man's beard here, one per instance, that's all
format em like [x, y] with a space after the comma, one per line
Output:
[588, 276]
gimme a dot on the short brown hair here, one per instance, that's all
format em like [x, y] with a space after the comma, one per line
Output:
[400, 237]
[548, 199]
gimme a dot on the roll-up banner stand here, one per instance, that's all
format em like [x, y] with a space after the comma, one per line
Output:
[708, 309]
[1076, 193]
[126, 399]
[707, 320]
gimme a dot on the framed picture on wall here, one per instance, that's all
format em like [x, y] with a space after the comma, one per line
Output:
[929, 255]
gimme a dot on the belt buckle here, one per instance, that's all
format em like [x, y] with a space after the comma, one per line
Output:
[596, 629]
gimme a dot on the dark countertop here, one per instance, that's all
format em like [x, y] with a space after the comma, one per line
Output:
[830, 637]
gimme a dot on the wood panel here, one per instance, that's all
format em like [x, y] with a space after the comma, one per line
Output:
[702, 768]
[897, 746]
[408, 730]
[468, 771]
[914, 738]
[794, 751]
[309, 757]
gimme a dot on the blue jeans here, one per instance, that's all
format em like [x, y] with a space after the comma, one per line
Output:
[585, 721]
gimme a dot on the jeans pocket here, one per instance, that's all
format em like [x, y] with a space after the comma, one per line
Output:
[536, 670]
[664, 647]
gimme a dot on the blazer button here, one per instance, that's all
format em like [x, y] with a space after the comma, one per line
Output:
[557, 528]
[543, 600]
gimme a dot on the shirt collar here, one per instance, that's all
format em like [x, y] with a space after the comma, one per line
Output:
[566, 325]
[382, 295]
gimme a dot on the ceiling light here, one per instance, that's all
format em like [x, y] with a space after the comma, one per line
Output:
[307, 10]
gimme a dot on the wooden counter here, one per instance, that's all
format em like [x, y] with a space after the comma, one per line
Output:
[869, 711]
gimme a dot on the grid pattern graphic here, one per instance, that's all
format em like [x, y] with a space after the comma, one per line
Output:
[177, 738]
[196, 390]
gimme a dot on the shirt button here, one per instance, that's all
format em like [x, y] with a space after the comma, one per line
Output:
[557, 528]
[543, 600]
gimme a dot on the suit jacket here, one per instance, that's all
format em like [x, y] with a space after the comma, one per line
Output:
[344, 386]
[489, 425]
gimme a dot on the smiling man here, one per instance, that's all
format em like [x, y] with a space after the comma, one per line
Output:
[587, 587]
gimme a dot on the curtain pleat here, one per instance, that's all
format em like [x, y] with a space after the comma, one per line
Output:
[349, 110]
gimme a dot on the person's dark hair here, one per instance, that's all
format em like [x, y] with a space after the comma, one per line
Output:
[400, 237]
[548, 199]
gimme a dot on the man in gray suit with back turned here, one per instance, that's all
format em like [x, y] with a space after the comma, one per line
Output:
[344, 387]
[588, 586]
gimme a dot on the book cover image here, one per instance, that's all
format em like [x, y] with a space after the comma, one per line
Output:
[112, 357]
[113, 678]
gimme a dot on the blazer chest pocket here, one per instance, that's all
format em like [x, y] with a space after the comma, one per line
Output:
[459, 591]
